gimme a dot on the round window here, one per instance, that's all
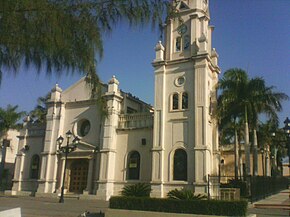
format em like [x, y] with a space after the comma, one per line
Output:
[84, 127]
[180, 81]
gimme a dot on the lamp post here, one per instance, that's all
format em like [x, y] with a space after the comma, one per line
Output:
[267, 160]
[287, 131]
[279, 139]
[263, 164]
[66, 150]
[273, 165]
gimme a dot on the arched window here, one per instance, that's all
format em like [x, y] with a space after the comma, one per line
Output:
[184, 100]
[186, 43]
[175, 101]
[133, 166]
[34, 170]
[178, 44]
[180, 165]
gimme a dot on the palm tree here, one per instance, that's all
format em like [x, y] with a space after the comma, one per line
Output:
[246, 98]
[229, 133]
[274, 138]
[232, 106]
[66, 35]
[263, 100]
[267, 143]
[233, 133]
[38, 114]
[9, 118]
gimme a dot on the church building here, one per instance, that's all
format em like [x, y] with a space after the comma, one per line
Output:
[173, 144]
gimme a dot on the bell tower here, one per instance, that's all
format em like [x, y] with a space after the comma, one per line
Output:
[185, 146]
[189, 33]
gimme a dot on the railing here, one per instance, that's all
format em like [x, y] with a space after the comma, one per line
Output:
[36, 129]
[229, 194]
[133, 121]
[36, 132]
[252, 188]
[262, 187]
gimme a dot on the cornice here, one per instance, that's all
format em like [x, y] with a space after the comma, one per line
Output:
[81, 103]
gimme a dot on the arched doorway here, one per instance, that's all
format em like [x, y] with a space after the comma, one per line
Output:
[180, 165]
[34, 170]
[79, 176]
[133, 166]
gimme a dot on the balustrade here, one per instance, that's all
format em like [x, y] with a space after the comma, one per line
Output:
[132, 121]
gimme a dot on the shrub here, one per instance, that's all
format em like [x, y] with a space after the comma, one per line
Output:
[184, 195]
[136, 190]
[201, 207]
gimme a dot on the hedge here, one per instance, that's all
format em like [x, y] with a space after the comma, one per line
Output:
[203, 207]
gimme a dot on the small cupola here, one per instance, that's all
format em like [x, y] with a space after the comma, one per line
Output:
[159, 50]
[56, 93]
[214, 57]
[113, 85]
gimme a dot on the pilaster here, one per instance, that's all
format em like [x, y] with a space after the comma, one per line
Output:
[157, 179]
[113, 98]
[48, 156]
[90, 177]
[20, 156]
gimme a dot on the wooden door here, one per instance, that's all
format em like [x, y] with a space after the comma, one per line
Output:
[79, 176]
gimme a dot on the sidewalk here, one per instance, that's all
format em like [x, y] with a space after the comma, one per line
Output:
[275, 205]
[276, 201]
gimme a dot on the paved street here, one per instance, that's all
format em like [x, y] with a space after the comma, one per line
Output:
[48, 207]
[273, 206]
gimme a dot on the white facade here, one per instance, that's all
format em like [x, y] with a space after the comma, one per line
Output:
[171, 146]
[8, 153]
[11, 151]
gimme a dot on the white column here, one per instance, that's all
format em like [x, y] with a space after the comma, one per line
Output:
[113, 97]
[61, 174]
[159, 117]
[90, 177]
[18, 176]
[20, 157]
[49, 158]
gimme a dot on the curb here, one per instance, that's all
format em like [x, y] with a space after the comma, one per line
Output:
[273, 206]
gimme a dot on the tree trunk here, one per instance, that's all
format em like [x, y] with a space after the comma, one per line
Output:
[236, 154]
[247, 146]
[240, 160]
[255, 153]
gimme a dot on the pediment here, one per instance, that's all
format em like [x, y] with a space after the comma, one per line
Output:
[83, 150]
[84, 146]
[79, 91]
[182, 6]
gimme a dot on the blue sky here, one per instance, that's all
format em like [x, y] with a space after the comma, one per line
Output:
[250, 34]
